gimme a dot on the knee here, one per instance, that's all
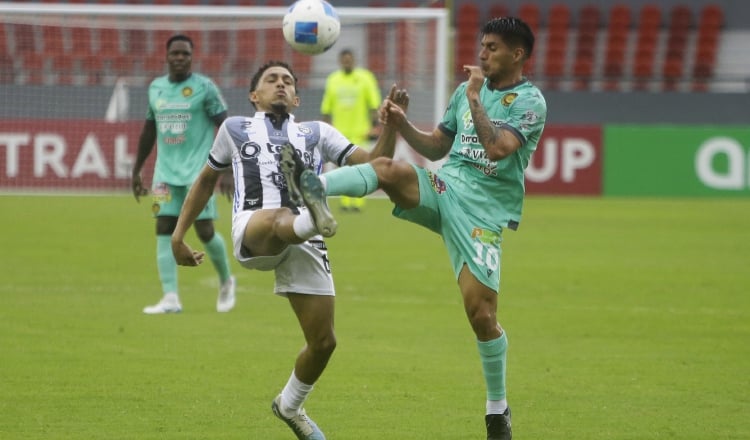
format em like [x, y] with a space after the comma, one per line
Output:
[325, 345]
[205, 231]
[389, 171]
[483, 322]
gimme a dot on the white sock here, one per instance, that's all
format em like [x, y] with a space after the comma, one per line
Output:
[293, 395]
[323, 181]
[303, 225]
[497, 406]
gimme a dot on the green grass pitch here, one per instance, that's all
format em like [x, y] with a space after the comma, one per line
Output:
[627, 319]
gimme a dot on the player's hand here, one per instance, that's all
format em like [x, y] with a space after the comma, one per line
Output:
[186, 256]
[475, 80]
[138, 188]
[226, 184]
[395, 104]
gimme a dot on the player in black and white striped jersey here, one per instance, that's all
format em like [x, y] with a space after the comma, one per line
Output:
[270, 230]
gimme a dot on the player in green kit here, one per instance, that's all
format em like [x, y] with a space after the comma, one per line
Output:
[492, 126]
[350, 103]
[185, 108]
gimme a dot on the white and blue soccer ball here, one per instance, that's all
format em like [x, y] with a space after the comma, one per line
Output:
[311, 26]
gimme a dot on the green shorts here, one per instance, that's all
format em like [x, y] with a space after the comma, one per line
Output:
[168, 201]
[468, 239]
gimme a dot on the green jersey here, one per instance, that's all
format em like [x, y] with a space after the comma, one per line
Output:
[349, 99]
[493, 190]
[185, 130]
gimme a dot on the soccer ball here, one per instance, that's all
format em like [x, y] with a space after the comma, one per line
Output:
[311, 26]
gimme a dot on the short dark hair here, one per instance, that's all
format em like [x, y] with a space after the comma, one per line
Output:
[268, 65]
[179, 37]
[346, 51]
[514, 32]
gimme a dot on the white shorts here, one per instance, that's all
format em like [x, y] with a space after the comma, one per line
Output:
[300, 268]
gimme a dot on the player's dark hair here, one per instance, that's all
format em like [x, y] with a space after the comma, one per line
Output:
[179, 37]
[514, 32]
[346, 51]
[268, 65]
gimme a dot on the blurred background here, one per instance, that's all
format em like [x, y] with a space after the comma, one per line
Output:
[644, 97]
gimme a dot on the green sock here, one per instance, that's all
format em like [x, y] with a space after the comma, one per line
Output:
[492, 354]
[354, 181]
[217, 252]
[166, 264]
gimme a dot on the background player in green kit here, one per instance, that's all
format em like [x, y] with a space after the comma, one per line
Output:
[492, 126]
[184, 110]
[350, 103]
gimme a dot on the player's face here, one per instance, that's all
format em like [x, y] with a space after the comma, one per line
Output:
[347, 62]
[275, 92]
[179, 58]
[497, 60]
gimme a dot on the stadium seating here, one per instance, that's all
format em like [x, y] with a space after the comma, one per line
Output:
[467, 23]
[558, 29]
[587, 29]
[618, 30]
[680, 21]
[710, 22]
[649, 24]
[615, 47]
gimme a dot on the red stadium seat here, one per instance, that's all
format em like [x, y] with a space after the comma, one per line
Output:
[589, 17]
[154, 65]
[52, 39]
[218, 42]
[711, 16]
[467, 23]
[680, 17]
[558, 17]
[63, 69]
[92, 67]
[80, 42]
[672, 73]
[531, 14]
[3, 40]
[619, 16]
[498, 10]
[136, 42]
[34, 67]
[24, 37]
[109, 41]
[376, 33]
[7, 70]
[583, 70]
[649, 16]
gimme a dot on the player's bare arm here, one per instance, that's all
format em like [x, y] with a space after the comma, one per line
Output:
[498, 143]
[433, 146]
[195, 201]
[145, 145]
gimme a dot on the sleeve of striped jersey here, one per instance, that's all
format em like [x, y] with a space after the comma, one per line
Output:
[220, 156]
[334, 146]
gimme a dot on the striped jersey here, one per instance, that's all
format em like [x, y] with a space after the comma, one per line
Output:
[250, 145]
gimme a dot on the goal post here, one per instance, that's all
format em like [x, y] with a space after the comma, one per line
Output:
[74, 77]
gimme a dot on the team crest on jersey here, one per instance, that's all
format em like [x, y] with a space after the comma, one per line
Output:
[249, 150]
[468, 122]
[437, 184]
[187, 92]
[304, 130]
[509, 98]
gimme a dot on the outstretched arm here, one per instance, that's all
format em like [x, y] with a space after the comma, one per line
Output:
[195, 201]
[433, 146]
